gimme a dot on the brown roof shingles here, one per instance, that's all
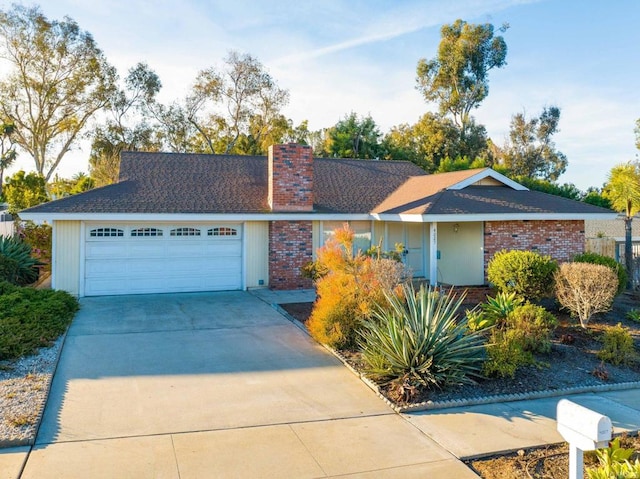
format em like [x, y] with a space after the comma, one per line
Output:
[193, 183]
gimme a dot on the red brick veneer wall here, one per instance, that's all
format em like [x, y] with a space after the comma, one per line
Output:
[290, 169]
[561, 239]
[290, 248]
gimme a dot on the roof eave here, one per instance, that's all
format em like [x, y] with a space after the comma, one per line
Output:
[475, 217]
[310, 216]
[192, 217]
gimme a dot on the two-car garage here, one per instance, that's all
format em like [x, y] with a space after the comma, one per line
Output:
[160, 258]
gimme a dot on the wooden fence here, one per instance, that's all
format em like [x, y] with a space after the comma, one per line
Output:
[602, 246]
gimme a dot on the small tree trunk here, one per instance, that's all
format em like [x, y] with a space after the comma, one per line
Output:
[628, 251]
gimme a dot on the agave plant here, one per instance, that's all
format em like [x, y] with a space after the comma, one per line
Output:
[497, 309]
[477, 320]
[17, 265]
[417, 339]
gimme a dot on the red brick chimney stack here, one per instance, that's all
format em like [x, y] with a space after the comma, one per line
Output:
[290, 178]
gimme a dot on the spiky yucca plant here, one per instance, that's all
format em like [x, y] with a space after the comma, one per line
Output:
[19, 266]
[417, 340]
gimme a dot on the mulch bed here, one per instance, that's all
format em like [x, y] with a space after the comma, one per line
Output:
[551, 462]
[571, 363]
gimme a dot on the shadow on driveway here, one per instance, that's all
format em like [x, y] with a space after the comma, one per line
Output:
[155, 364]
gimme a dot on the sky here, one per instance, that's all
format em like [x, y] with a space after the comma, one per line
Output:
[342, 56]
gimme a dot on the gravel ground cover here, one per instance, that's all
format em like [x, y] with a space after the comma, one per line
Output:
[24, 385]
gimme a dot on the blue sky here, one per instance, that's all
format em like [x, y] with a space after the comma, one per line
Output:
[335, 57]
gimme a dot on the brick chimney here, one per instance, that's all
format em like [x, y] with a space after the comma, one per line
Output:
[290, 177]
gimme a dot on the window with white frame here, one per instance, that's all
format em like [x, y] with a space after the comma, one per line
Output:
[106, 232]
[185, 232]
[222, 231]
[362, 233]
[146, 232]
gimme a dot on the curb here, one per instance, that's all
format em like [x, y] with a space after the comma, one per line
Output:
[476, 401]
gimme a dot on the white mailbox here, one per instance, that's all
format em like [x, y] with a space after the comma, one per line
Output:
[584, 430]
[581, 426]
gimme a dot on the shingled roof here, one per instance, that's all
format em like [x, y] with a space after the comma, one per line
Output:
[193, 183]
[490, 200]
[176, 183]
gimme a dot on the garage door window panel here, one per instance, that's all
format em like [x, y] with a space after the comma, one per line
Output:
[146, 232]
[106, 233]
[223, 231]
[185, 232]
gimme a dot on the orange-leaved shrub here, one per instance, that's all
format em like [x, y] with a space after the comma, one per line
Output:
[348, 288]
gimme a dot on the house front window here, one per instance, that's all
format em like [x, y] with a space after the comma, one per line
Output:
[361, 229]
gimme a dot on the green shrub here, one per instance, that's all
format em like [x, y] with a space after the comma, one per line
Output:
[417, 339]
[525, 273]
[585, 289]
[505, 354]
[526, 330]
[22, 270]
[614, 463]
[617, 346]
[534, 326]
[30, 318]
[634, 315]
[595, 258]
[477, 320]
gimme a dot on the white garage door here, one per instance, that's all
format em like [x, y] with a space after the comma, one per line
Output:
[162, 259]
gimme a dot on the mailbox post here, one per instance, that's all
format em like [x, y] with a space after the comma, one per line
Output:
[584, 430]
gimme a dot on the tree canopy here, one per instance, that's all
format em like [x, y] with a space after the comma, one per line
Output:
[353, 137]
[126, 126]
[435, 139]
[457, 78]
[57, 80]
[237, 107]
[623, 188]
[530, 150]
[623, 191]
[7, 148]
[24, 190]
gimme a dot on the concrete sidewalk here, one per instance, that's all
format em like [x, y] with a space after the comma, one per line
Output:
[475, 431]
[221, 385]
[376, 446]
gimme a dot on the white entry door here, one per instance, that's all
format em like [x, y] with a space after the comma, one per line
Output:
[411, 235]
[138, 259]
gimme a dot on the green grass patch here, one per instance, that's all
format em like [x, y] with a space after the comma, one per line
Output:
[31, 319]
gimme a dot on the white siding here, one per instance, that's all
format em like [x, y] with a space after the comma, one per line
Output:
[66, 256]
[257, 253]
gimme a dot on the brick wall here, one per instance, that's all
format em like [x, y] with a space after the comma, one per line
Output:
[559, 239]
[290, 248]
[290, 177]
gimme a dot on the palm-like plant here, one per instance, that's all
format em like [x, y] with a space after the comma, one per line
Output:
[417, 340]
[18, 266]
[623, 191]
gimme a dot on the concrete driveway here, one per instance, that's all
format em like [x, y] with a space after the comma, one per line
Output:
[215, 385]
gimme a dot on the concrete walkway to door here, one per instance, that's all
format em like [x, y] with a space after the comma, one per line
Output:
[215, 385]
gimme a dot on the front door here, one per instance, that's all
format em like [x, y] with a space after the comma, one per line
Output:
[411, 235]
